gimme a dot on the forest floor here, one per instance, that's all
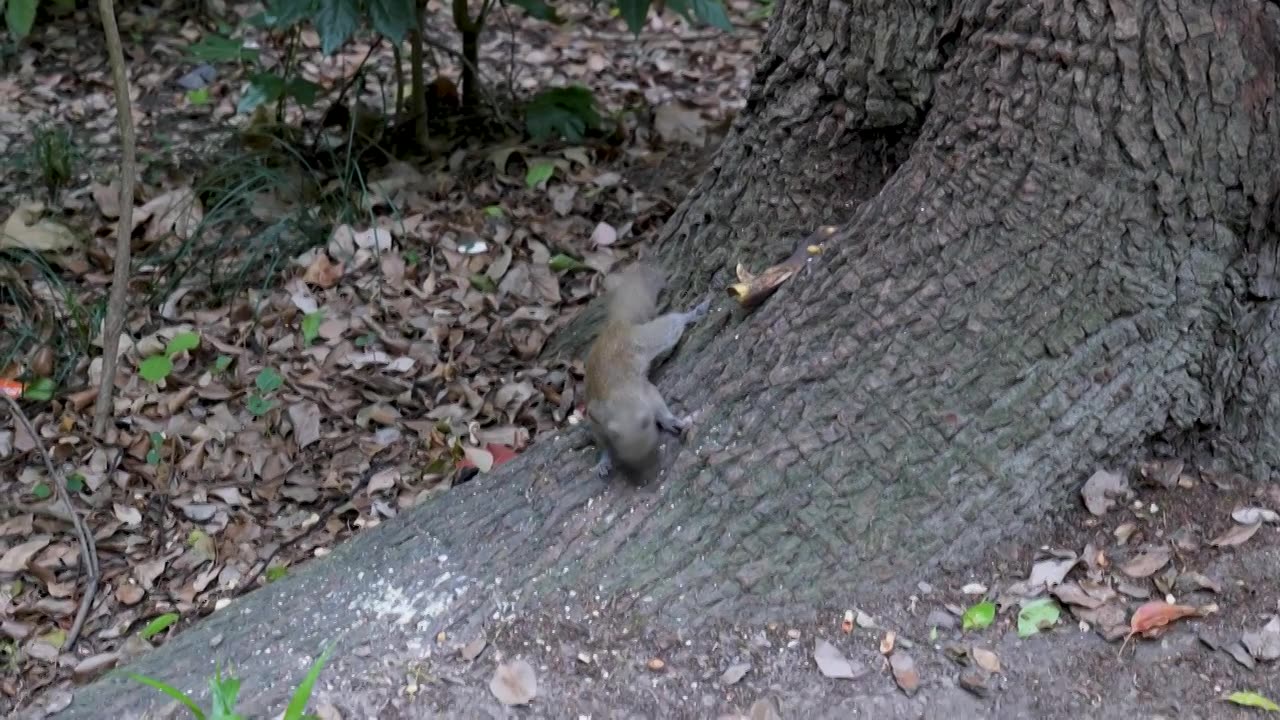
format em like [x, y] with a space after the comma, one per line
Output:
[408, 330]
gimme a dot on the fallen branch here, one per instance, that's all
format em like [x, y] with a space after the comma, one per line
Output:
[88, 550]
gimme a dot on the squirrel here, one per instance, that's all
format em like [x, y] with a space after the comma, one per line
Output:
[624, 411]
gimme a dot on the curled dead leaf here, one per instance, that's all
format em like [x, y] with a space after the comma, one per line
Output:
[1235, 535]
[1151, 618]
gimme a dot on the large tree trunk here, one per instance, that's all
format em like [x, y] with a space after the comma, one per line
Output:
[1057, 252]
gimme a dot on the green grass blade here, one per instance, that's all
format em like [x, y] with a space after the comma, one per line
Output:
[172, 692]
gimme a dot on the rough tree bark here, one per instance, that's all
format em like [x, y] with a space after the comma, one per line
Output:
[1058, 252]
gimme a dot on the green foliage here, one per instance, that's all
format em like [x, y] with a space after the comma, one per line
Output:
[1253, 699]
[335, 21]
[393, 19]
[75, 483]
[276, 572]
[42, 491]
[560, 262]
[172, 692]
[158, 625]
[1037, 615]
[268, 380]
[39, 389]
[494, 211]
[979, 616]
[537, 9]
[19, 16]
[539, 172]
[311, 327]
[54, 155]
[298, 702]
[222, 363]
[182, 342]
[566, 112]
[219, 48]
[199, 96]
[226, 692]
[709, 12]
[484, 283]
[155, 368]
[153, 454]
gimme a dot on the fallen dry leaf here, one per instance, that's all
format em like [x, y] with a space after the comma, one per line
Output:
[904, 672]
[1235, 535]
[514, 683]
[1151, 618]
[833, 664]
[986, 659]
[1101, 491]
[1147, 563]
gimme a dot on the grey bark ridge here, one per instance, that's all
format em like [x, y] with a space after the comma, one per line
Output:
[1052, 215]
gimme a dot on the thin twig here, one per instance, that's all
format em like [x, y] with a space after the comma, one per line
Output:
[118, 304]
[88, 550]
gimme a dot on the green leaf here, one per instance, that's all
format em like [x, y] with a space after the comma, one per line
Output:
[1037, 615]
[537, 9]
[335, 20]
[42, 491]
[311, 327]
[979, 616]
[539, 172]
[157, 439]
[268, 380]
[199, 96]
[75, 483]
[224, 692]
[275, 572]
[298, 702]
[172, 692]
[263, 88]
[302, 90]
[566, 111]
[155, 368]
[560, 262]
[285, 13]
[391, 18]
[494, 211]
[258, 405]
[1253, 699]
[153, 457]
[182, 342]
[219, 48]
[39, 389]
[634, 12]
[484, 283]
[221, 363]
[712, 13]
[158, 625]
[20, 16]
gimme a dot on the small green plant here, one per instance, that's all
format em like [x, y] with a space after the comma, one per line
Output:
[157, 367]
[225, 692]
[979, 616]
[158, 624]
[20, 16]
[561, 262]
[276, 572]
[221, 363]
[566, 112]
[267, 382]
[54, 154]
[75, 484]
[153, 454]
[539, 172]
[311, 327]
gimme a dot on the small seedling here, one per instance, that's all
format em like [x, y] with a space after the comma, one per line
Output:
[311, 327]
[153, 454]
[267, 382]
[157, 367]
[158, 625]
[226, 691]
